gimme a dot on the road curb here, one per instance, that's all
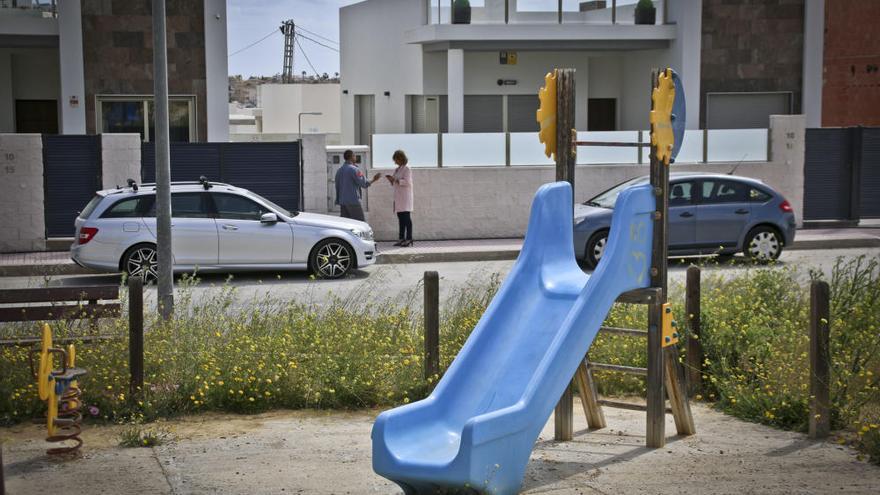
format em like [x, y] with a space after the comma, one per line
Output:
[447, 257]
[58, 269]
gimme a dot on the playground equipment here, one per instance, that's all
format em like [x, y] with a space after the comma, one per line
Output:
[59, 388]
[477, 428]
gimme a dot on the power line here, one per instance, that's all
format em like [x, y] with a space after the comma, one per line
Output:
[318, 42]
[274, 31]
[317, 35]
[296, 40]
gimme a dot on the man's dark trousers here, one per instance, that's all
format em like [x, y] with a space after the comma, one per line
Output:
[355, 212]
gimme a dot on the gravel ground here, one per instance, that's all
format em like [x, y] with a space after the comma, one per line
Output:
[329, 452]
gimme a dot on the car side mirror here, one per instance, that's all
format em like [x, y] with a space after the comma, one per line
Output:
[269, 218]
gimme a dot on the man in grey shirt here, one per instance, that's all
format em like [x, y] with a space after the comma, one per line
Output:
[349, 182]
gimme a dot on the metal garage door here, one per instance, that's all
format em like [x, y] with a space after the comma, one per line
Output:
[483, 113]
[521, 110]
[870, 173]
[189, 161]
[71, 175]
[827, 175]
[268, 169]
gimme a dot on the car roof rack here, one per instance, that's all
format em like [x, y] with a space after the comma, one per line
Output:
[204, 182]
[132, 184]
[189, 183]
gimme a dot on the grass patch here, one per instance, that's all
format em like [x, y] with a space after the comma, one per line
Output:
[351, 353]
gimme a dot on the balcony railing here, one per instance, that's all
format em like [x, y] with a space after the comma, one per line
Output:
[35, 8]
[543, 11]
[514, 149]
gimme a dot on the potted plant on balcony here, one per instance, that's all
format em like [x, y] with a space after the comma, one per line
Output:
[645, 12]
[461, 12]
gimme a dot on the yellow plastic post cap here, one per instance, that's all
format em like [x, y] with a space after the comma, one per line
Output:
[663, 97]
[546, 114]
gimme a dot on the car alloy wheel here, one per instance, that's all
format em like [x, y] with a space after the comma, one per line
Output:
[143, 262]
[599, 248]
[595, 249]
[764, 245]
[333, 259]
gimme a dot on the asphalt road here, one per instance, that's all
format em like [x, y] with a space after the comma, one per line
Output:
[396, 284]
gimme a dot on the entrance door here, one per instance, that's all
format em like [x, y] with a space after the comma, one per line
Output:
[602, 114]
[36, 116]
[364, 118]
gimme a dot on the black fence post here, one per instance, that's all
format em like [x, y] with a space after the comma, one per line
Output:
[136, 335]
[820, 358]
[432, 324]
[695, 354]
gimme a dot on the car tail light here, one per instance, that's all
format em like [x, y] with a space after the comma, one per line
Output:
[86, 234]
[785, 206]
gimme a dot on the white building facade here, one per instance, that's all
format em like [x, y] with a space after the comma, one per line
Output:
[78, 67]
[406, 69]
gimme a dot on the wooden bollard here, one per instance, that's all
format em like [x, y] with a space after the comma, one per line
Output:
[135, 336]
[695, 356]
[820, 359]
[432, 324]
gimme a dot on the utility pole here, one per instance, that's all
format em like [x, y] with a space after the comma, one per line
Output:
[288, 30]
[163, 162]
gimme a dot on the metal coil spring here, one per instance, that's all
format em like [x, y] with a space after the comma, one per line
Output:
[69, 422]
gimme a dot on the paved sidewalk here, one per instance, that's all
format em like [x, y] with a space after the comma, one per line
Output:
[321, 452]
[59, 263]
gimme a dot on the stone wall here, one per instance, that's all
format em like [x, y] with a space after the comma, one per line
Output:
[851, 94]
[752, 46]
[494, 202]
[22, 222]
[118, 52]
[120, 159]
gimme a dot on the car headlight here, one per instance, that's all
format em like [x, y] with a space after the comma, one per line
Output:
[366, 235]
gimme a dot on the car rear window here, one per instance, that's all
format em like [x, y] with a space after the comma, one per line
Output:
[758, 196]
[90, 207]
[129, 207]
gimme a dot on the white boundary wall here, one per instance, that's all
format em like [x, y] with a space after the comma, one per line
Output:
[494, 202]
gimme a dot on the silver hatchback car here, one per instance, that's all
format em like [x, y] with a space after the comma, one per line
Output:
[215, 227]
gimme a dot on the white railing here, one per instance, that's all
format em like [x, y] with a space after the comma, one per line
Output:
[518, 149]
[46, 8]
[543, 11]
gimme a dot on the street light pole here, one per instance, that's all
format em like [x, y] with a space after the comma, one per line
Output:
[301, 159]
[163, 162]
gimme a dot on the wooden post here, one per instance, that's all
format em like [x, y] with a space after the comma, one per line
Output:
[589, 398]
[565, 162]
[564, 417]
[432, 324]
[656, 413]
[136, 336]
[820, 358]
[656, 400]
[565, 110]
[677, 393]
[695, 355]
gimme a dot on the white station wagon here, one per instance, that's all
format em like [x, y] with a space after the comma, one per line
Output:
[215, 227]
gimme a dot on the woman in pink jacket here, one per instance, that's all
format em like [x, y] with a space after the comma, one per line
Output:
[401, 180]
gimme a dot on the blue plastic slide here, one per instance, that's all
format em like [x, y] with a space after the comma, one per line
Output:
[477, 429]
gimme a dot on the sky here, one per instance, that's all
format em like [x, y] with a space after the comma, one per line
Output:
[250, 20]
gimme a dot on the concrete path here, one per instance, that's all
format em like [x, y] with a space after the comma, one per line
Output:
[321, 452]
